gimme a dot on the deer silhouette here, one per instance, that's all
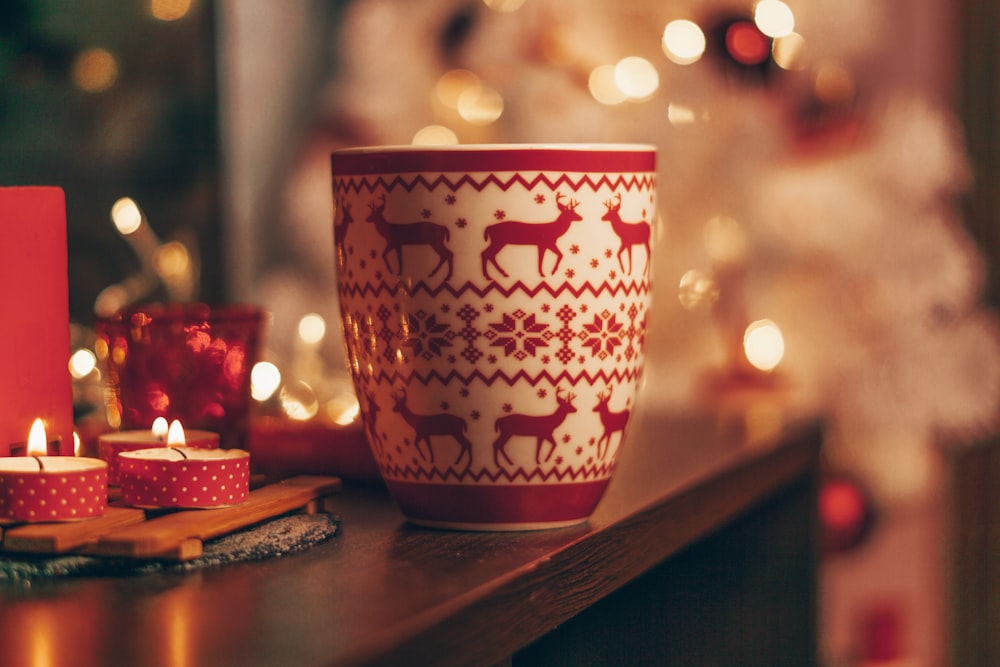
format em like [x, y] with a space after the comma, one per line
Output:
[425, 426]
[542, 235]
[540, 427]
[629, 233]
[369, 421]
[613, 422]
[397, 235]
[340, 226]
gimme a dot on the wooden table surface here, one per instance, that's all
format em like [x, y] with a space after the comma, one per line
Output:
[386, 592]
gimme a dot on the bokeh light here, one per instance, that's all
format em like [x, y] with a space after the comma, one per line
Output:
[435, 135]
[504, 5]
[746, 44]
[126, 216]
[169, 10]
[82, 363]
[452, 84]
[312, 328]
[636, 77]
[788, 52]
[480, 106]
[683, 42]
[265, 378]
[298, 401]
[774, 18]
[95, 70]
[603, 86]
[764, 345]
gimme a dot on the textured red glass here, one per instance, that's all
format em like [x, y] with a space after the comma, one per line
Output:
[190, 362]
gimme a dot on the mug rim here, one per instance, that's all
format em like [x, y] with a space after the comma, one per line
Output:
[628, 147]
[485, 158]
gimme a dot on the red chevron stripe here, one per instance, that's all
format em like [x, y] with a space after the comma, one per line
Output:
[617, 376]
[619, 288]
[342, 185]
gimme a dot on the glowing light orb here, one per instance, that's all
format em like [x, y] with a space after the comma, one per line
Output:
[763, 345]
[774, 18]
[265, 378]
[683, 42]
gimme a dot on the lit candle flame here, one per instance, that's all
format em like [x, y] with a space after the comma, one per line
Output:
[77, 444]
[175, 436]
[160, 428]
[37, 442]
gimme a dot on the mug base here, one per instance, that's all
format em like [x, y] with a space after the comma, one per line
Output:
[497, 507]
[496, 527]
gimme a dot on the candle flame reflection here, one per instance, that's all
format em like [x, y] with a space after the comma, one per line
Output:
[160, 428]
[175, 435]
[37, 443]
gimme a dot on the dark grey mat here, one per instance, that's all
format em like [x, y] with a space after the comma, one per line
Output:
[277, 537]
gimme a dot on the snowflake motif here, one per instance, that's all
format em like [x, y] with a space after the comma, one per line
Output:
[539, 198]
[570, 273]
[584, 307]
[566, 438]
[488, 308]
[609, 253]
[444, 405]
[425, 213]
[559, 460]
[602, 335]
[594, 263]
[499, 214]
[464, 392]
[450, 200]
[542, 392]
[522, 341]
[372, 254]
[461, 223]
[424, 338]
[492, 358]
[574, 249]
[546, 307]
[579, 450]
[507, 408]
[612, 274]
[475, 414]
[546, 359]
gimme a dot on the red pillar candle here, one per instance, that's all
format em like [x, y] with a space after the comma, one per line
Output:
[184, 477]
[51, 488]
[110, 445]
[34, 302]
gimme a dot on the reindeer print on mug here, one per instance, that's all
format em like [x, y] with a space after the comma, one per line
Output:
[544, 236]
[423, 233]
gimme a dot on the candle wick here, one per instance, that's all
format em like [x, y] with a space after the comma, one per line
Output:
[181, 452]
[38, 460]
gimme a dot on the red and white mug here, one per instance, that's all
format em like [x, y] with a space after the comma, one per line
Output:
[494, 301]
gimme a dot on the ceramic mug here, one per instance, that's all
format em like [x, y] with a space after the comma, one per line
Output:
[494, 301]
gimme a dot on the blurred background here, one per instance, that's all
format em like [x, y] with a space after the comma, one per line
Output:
[828, 177]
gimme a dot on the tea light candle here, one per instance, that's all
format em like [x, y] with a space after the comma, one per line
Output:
[110, 445]
[35, 345]
[37, 488]
[184, 477]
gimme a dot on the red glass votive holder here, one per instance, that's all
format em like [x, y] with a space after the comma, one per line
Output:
[190, 362]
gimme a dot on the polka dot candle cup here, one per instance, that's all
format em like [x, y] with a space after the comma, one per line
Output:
[52, 488]
[494, 302]
[184, 477]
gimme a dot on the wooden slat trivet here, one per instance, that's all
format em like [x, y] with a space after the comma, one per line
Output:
[57, 538]
[179, 536]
